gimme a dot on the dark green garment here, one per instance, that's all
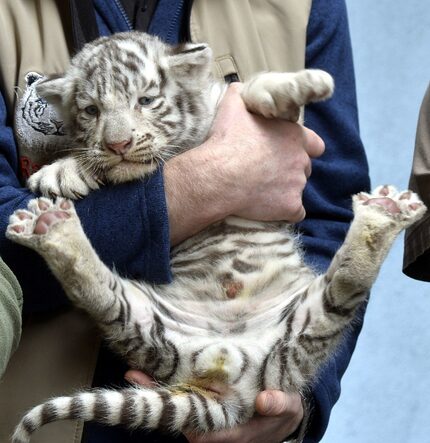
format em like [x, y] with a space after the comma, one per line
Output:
[10, 314]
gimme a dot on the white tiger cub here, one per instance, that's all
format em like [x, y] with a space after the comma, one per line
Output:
[131, 102]
[244, 313]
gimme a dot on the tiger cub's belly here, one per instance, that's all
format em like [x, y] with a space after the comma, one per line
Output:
[239, 258]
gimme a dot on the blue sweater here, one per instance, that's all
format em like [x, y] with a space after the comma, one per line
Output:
[133, 217]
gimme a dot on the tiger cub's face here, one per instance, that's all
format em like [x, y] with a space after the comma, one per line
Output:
[130, 101]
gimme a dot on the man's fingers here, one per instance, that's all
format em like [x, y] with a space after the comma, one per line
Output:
[298, 215]
[314, 144]
[140, 378]
[276, 403]
[308, 169]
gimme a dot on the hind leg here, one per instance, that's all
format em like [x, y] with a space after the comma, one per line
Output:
[378, 219]
[53, 229]
[329, 304]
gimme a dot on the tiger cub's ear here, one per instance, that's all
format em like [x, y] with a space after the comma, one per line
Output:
[190, 59]
[53, 89]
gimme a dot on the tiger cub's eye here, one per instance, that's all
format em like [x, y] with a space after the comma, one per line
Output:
[145, 101]
[92, 110]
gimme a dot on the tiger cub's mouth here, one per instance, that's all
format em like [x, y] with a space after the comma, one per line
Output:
[127, 170]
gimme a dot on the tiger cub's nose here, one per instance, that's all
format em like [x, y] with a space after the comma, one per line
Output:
[119, 147]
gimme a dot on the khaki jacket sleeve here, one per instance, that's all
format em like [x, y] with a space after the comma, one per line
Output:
[416, 263]
[10, 315]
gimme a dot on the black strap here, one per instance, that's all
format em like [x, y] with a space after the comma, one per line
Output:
[84, 24]
[185, 27]
[140, 12]
[231, 78]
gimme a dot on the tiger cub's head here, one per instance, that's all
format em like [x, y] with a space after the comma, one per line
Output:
[130, 101]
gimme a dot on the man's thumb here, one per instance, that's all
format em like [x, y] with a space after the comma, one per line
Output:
[138, 377]
[272, 403]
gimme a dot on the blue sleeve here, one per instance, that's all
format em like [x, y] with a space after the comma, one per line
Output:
[127, 225]
[339, 173]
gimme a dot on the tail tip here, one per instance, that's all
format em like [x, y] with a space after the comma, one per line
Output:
[21, 435]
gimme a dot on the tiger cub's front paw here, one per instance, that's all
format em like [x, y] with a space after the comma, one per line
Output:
[404, 207]
[62, 178]
[281, 94]
[31, 226]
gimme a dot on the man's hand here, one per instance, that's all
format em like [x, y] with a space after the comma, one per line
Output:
[250, 166]
[279, 415]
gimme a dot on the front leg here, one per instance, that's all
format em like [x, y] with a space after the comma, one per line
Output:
[63, 178]
[281, 94]
[54, 231]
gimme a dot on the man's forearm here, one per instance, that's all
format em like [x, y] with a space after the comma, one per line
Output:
[194, 192]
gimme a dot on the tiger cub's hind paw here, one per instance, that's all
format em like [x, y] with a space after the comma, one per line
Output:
[29, 226]
[404, 207]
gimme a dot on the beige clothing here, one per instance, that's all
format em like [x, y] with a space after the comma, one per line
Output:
[58, 354]
[416, 262]
[252, 36]
[10, 315]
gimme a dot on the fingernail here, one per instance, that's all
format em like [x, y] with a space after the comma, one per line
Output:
[269, 402]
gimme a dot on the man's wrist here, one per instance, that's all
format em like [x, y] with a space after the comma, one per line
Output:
[196, 191]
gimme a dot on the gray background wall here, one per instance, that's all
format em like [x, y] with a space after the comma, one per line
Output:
[386, 390]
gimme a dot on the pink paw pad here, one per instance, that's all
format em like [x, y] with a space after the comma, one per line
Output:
[387, 203]
[384, 191]
[404, 206]
[43, 205]
[47, 219]
[23, 215]
[66, 205]
[18, 229]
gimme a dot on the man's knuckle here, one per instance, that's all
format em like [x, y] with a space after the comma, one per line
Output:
[298, 164]
[295, 210]
[296, 130]
[296, 185]
[308, 169]
[303, 160]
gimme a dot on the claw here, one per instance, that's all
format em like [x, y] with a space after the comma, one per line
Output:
[77, 195]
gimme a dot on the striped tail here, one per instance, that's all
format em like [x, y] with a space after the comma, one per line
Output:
[160, 408]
